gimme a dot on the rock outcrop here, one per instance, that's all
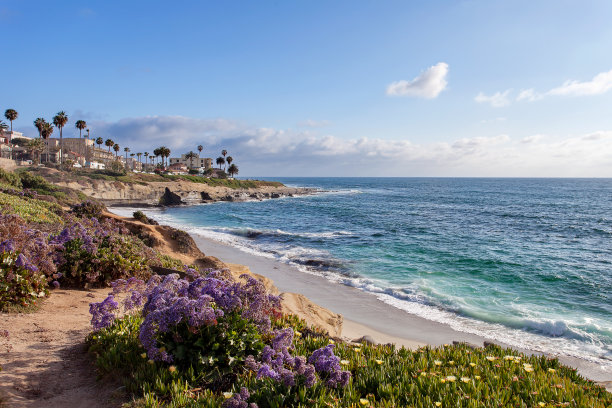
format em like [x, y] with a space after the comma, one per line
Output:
[170, 198]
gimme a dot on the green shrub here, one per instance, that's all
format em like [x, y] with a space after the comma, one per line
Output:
[30, 209]
[9, 178]
[21, 283]
[91, 209]
[34, 182]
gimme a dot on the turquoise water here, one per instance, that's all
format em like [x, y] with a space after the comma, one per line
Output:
[526, 261]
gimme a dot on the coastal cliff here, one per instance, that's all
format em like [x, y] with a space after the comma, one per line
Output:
[150, 190]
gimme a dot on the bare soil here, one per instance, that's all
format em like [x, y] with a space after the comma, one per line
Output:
[45, 361]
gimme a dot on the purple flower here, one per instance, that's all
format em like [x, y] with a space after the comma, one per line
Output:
[55, 284]
[103, 312]
[239, 400]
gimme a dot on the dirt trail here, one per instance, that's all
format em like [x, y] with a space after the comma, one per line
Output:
[45, 362]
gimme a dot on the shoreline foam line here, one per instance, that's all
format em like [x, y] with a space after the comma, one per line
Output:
[364, 308]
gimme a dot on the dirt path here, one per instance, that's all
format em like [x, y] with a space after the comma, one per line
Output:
[45, 362]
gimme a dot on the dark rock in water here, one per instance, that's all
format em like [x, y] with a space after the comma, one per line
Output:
[275, 195]
[227, 198]
[170, 198]
[365, 340]
[206, 196]
[319, 263]
[253, 234]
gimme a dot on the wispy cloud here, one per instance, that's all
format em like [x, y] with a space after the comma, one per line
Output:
[497, 100]
[269, 151]
[314, 123]
[600, 84]
[427, 85]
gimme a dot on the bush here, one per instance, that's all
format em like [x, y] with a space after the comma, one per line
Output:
[90, 252]
[140, 216]
[21, 283]
[89, 209]
[183, 240]
[10, 178]
[29, 180]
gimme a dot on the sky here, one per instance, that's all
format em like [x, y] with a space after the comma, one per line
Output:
[325, 88]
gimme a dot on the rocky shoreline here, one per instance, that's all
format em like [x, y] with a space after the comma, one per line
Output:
[116, 193]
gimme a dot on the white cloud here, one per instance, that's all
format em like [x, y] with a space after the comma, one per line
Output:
[529, 95]
[497, 100]
[275, 152]
[427, 85]
[601, 83]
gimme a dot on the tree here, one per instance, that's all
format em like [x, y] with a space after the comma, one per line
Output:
[60, 121]
[36, 146]
[38, 124]
[146, 155]
[3, 127]
[99, 142]
[200, 148]
[80, 124]
[162, 152]
[233, 169]
[116, 149]
[109, 143]
[229, 160]
[138, 155]
[126, 150]
[47, 131]
[11, 115]
[191, 155]
[220, 161]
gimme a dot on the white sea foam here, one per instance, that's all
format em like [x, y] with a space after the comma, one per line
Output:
[554, 337]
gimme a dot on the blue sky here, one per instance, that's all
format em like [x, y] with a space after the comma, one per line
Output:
[309, 88]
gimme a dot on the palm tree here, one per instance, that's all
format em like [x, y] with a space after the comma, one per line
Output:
[224, 153]
[191, 155]
[60, 121]
[200, 148]
[229, 160]
[11, 114]
[38, 124]
[138, 155]
[146, 155]
[99, 142]
[116, 149]
[233, 169]
[162, 151]
[80, 124]
[220, 161]
[46, 132]
[126, 150]
[109, 143]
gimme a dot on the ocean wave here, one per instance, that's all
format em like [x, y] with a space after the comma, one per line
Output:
[555, 337]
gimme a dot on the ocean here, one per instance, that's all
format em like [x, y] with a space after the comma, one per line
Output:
[524, 261]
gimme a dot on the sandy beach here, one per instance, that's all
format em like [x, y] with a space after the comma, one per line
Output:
[363, 313]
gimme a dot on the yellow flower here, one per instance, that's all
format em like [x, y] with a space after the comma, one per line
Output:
[491, 358]
[227, 395]
[451, 362]
[162, 349]
[551, 370]
[331, 341]
[363, 401]
[298, 334]
[438, 404]
[509, 358]
[379, 362]
[477, 377]
[472, 364]
[345, 362]
[529, 369]
[542, 404]
[172, 369]
[451, 378]
[143, 355]
[357, 349]
[151, 362]
[423, 373]
[357, 344]
[465, 379]
[437, 362]
[442, 380]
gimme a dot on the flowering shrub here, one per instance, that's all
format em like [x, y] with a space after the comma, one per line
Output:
[89, 209]
[94, 252]
[21, 283]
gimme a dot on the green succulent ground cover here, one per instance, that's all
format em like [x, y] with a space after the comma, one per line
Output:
[30, 209]
[231, 183]
[382, 376]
